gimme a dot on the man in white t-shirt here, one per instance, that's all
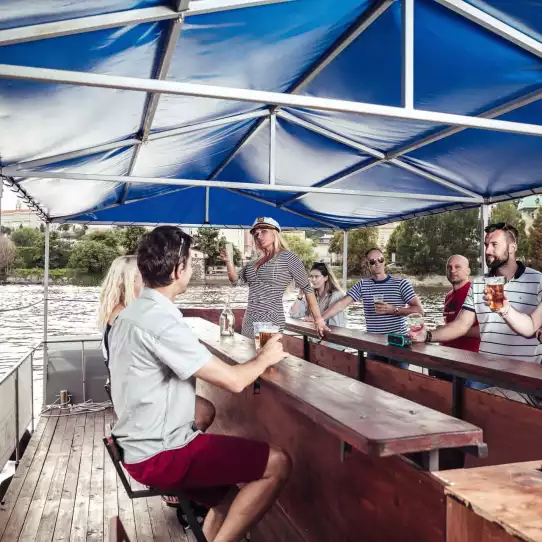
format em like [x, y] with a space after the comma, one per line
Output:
[523, 289]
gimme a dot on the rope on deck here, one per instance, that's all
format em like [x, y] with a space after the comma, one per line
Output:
[88, 407]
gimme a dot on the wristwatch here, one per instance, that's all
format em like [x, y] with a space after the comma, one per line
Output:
[396, 311]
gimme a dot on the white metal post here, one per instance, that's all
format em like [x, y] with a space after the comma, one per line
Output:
[1, 194]
[272, 146]
[207, 195]
[484, 221]
[408, 54]
[45, 308]
[345, 260]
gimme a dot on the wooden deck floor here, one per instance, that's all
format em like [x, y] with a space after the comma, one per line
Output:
[66, 488]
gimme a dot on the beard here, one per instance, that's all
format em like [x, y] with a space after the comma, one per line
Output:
[497, 262]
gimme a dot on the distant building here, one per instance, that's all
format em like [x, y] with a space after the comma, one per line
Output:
[322, 249]
[17, 218]
[528, 207]
[384, 234]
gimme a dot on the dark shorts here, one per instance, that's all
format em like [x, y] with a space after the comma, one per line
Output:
[206, 468]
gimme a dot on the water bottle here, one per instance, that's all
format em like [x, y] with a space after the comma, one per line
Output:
[227, 321]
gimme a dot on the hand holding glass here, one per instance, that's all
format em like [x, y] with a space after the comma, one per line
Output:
[415, 323]
[263, 331]
[495, 292]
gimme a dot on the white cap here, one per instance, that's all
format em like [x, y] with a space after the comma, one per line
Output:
[265, 221]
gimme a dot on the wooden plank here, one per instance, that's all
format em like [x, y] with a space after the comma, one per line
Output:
[33, 517]
[126, 509]
[213, 315]
[371, 420]
[95, 522]
[176, 532]
[141, 515]
[111, 507]
[505, 372]
[24, 498]
[506, 495]
[80, 510]
[67, 500]
[464, 525]
[50, 512]
[158, 521]
[10, 498]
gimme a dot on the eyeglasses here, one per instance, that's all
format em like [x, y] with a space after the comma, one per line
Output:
[502, 226]
[373, 261]
[179, 255]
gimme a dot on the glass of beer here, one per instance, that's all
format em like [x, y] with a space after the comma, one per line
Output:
[263, 331]
[378, 298]
[495, 285]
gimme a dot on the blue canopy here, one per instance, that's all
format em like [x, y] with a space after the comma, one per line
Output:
[107, 151]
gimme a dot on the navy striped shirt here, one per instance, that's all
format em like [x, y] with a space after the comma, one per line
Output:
[396, 291]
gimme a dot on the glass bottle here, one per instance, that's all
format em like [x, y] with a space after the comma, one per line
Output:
[227, 320]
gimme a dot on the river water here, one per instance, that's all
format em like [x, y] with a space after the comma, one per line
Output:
[72, 311]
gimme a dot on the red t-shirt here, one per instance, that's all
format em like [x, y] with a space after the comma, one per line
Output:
[452, 307]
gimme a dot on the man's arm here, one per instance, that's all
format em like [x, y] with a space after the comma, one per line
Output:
[458, 328]
[413, 306]
[236, 378]
[337, 307]
[524, 324]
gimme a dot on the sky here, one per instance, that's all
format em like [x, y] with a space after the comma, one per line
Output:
[9, 199]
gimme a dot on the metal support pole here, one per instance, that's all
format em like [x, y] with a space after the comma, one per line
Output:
[458, 394]
[32, 389]
[84, 370]
[306, 348]
[207, 196]
[345, 260]
[17, 435]
[361, 366]
[272, 147]
[45, 310]
[1, 194]
[408, 54]
[484, 221]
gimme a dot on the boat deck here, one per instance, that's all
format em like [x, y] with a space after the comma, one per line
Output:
[66, 488]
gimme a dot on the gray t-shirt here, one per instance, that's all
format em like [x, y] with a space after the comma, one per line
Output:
[153, 356]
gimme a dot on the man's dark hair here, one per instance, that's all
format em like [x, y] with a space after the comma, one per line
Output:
[159, 252]
[371, 249]
[511, 232]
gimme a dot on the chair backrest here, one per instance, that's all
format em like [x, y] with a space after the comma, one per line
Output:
[116, 530]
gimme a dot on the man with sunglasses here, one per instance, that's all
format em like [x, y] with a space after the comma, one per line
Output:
[387, 314]
[523, 288]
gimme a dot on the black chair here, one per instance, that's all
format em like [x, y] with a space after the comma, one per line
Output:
[115, 453]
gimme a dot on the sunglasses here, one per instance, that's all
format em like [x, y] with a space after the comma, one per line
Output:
[373, 261]
[502, 226]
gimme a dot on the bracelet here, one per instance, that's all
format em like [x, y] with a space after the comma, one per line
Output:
[505, 312]
[319, 320]
[428, 336]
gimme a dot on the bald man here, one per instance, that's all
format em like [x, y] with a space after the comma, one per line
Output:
[457, 272]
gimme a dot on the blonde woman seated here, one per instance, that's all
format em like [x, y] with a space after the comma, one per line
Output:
[120, 287]
[327, 291]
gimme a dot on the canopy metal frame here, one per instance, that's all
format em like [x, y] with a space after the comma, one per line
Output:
[273, 104]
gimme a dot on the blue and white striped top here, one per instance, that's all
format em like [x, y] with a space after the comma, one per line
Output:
[397, 292]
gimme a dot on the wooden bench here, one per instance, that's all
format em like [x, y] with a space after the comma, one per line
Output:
[368, 419]
[511, 374]
[501, 503]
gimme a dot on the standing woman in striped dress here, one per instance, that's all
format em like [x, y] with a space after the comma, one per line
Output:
[269, 276]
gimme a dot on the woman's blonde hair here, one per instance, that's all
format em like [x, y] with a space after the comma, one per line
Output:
[279, 242]
[117, 287]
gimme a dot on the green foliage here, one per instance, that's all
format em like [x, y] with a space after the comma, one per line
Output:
[5, 230]
[129, 238]
[110, 238]
[7, 254]
[302, 248]
[207, 240]
[391, 247]
[535, 241]
[508, 212]
[237, 256]
[359, 242]
[26, 237]
[38, 272]
[423, 245]
[92, 256]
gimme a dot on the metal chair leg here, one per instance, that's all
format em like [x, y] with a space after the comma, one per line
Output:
[192, 520]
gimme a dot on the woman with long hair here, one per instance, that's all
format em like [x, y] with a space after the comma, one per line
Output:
[120, 287]
[327, 291]
[269, 276]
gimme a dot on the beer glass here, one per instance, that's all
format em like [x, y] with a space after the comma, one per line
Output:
[495, 285]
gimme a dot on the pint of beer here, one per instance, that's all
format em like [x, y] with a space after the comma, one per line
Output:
[495, 285]
[263, 331]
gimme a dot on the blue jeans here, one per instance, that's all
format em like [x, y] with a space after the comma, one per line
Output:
[389, 361]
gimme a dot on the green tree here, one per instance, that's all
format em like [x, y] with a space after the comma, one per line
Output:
[237, 256]
[359, 242]
[391, 247]
[302, 248]
[8, 252]
[91, 256]
[5, 229]
[110, 238]
[535, 241]
[208, 241]
[59, 252]
[26, 237]
[79, 231]
[507, 211]
[130, 237]
[423, 245]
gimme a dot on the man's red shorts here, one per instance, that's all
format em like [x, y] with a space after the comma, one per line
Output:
[206, 468]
